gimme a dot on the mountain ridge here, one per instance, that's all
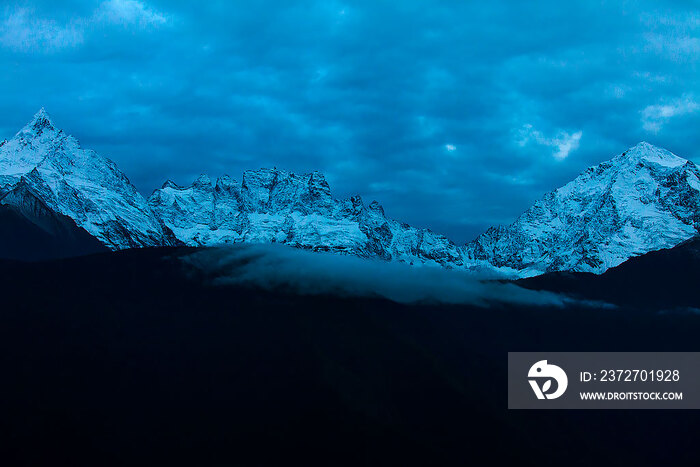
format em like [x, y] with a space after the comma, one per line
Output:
[276, 206]
[644, 199]
[80, 184]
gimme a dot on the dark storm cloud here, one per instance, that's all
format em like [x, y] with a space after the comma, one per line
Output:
[453, 115]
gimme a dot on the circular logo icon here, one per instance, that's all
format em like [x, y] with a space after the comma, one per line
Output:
[541, 376]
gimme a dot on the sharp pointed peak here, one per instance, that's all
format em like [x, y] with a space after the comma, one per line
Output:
[40, 122]
[225, 180]
[376, 207]
[42, 115]
[170, 184]
[202, 180]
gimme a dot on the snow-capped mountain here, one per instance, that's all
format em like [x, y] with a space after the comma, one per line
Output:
[43, 166]
[271, 205]
[642, 200]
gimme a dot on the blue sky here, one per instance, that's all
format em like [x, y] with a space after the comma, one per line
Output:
[454, 115]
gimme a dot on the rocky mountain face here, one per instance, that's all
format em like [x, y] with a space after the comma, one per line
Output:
[42, 164]
[642, 200]
[274, 206]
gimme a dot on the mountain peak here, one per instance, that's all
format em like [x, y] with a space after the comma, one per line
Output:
[642, 200]
[42, 113]
[225, 182]
[170, 184]
[80, 184]
[40, 122]
[644, 145]
[202, 181]
[646, 152]
[376, 207]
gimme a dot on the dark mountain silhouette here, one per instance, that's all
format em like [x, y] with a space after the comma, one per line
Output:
[29, 230]
[664, 280]
[132, 357]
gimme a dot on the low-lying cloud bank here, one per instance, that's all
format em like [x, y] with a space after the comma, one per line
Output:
[278, 267]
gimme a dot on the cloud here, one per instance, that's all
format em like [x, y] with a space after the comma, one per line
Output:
[129, 12]
[563, 142]
[654, 117]
[22, 31]
[676, 48]
[674, 37]
[283, 268]
[370, 98]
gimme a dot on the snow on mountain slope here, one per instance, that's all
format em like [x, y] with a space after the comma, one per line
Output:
[642, 200]
[274, 206]
[79, 184]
